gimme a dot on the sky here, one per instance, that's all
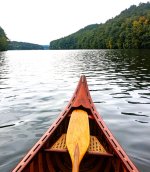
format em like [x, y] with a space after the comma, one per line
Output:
[41, 21]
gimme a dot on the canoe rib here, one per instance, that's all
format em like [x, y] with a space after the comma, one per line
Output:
[81, 99]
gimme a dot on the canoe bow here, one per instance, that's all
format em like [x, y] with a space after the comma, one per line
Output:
[44, 156]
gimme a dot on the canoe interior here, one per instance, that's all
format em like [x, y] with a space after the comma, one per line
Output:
[59, 161]
[50, 154]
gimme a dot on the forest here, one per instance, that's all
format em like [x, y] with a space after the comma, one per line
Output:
[129, 30]
[14, 45]
[6, 44]
[3, 40]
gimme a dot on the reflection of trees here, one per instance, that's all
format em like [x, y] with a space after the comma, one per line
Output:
[131, 64]
[3, 66]
[2, 60]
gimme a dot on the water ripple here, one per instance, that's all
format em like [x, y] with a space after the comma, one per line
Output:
[9, 125]
[36, 85]
[143, 122]
[132, 102]
[133, 114]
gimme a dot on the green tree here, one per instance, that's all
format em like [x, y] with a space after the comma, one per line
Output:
[3, 40]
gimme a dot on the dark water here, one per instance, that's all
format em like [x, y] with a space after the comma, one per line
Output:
[36, 85]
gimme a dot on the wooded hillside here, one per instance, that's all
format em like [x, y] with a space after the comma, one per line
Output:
[129, 30]
[3, 40]
[5, 44]
[14, 45]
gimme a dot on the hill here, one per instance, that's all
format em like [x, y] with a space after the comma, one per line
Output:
[3, 40]
[6, 44]
[14, 45]
[129, 30]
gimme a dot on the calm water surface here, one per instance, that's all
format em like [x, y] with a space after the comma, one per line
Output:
[36, 85]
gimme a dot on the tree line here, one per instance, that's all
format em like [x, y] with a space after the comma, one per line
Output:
[129, 30]
[3, 40]
[6, 44]
[14, 45]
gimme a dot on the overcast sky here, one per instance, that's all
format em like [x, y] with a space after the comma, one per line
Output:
[40, 21]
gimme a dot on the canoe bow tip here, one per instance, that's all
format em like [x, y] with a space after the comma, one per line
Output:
[83, 78]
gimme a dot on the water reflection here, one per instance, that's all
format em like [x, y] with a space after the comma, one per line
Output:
[36, 85]
[133, 65]
[134, 114]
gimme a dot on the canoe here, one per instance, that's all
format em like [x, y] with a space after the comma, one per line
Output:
[78, 138]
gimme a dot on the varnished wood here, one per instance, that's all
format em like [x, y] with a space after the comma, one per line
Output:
[108, 167]
[95, 147]
[49, 163]
[78, 137]
[76, 162]
[32, 166]
[103, 153]
[61, 166]
[40, 162]
[98, 166]
[117, 165]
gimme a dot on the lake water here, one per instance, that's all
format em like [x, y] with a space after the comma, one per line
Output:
[36, 85]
